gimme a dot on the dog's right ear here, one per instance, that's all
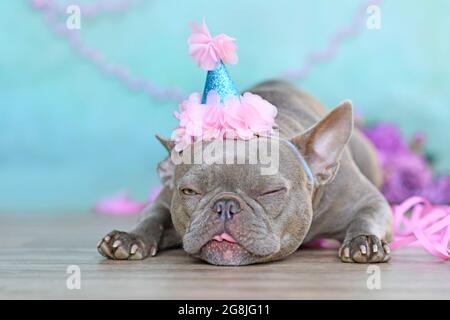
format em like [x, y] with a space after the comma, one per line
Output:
[167, 143]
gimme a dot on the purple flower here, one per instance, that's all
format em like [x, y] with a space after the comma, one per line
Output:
[406, 174]
[439, 191]
[386, 137]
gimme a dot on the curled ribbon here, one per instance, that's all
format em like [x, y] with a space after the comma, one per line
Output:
[419, 223]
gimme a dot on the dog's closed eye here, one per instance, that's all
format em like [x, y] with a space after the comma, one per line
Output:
[273, 192]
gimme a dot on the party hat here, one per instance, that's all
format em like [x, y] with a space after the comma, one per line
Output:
[220, 112]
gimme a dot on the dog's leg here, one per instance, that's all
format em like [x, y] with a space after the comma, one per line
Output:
[367, 234]
[154, 232]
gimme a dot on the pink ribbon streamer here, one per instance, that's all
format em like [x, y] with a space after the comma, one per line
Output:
[419, 223]
[416, 223]
[122, 205]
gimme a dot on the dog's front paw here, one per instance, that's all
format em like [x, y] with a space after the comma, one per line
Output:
[119, 245]
[365, 249]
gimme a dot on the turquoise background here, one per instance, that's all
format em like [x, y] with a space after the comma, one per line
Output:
[69, 134]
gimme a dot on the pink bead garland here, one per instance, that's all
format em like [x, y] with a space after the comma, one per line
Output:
[51, 10]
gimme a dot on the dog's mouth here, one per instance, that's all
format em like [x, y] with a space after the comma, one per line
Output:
[224, 249]
[231, 243]
[224, 236]
[223, 245]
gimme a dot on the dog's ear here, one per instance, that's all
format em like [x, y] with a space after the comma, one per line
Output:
[323, 143]
[167, 143]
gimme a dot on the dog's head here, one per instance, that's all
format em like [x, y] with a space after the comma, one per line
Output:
[233, 214]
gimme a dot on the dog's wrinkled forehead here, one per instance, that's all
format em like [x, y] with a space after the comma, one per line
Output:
[234, 151]
[228, 177]
[239, 165]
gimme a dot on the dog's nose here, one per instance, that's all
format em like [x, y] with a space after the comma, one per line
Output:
[226, 208]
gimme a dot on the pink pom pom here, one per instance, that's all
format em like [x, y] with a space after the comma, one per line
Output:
[207, 51]
[259, 114]
[241, 117]
[226, 48]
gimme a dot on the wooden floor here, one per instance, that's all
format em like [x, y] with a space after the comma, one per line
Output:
[35, 252]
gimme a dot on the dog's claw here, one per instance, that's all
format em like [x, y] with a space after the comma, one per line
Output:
[347, 252]
[105, 250]
[117, 243]
[365, 249]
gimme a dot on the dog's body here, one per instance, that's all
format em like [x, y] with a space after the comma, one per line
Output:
[342, 202]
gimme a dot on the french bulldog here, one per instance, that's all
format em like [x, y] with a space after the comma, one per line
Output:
[232, 214]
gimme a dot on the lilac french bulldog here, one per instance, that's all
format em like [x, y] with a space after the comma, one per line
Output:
[232, 214]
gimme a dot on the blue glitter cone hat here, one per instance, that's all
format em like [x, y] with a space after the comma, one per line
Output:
[220, 81]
